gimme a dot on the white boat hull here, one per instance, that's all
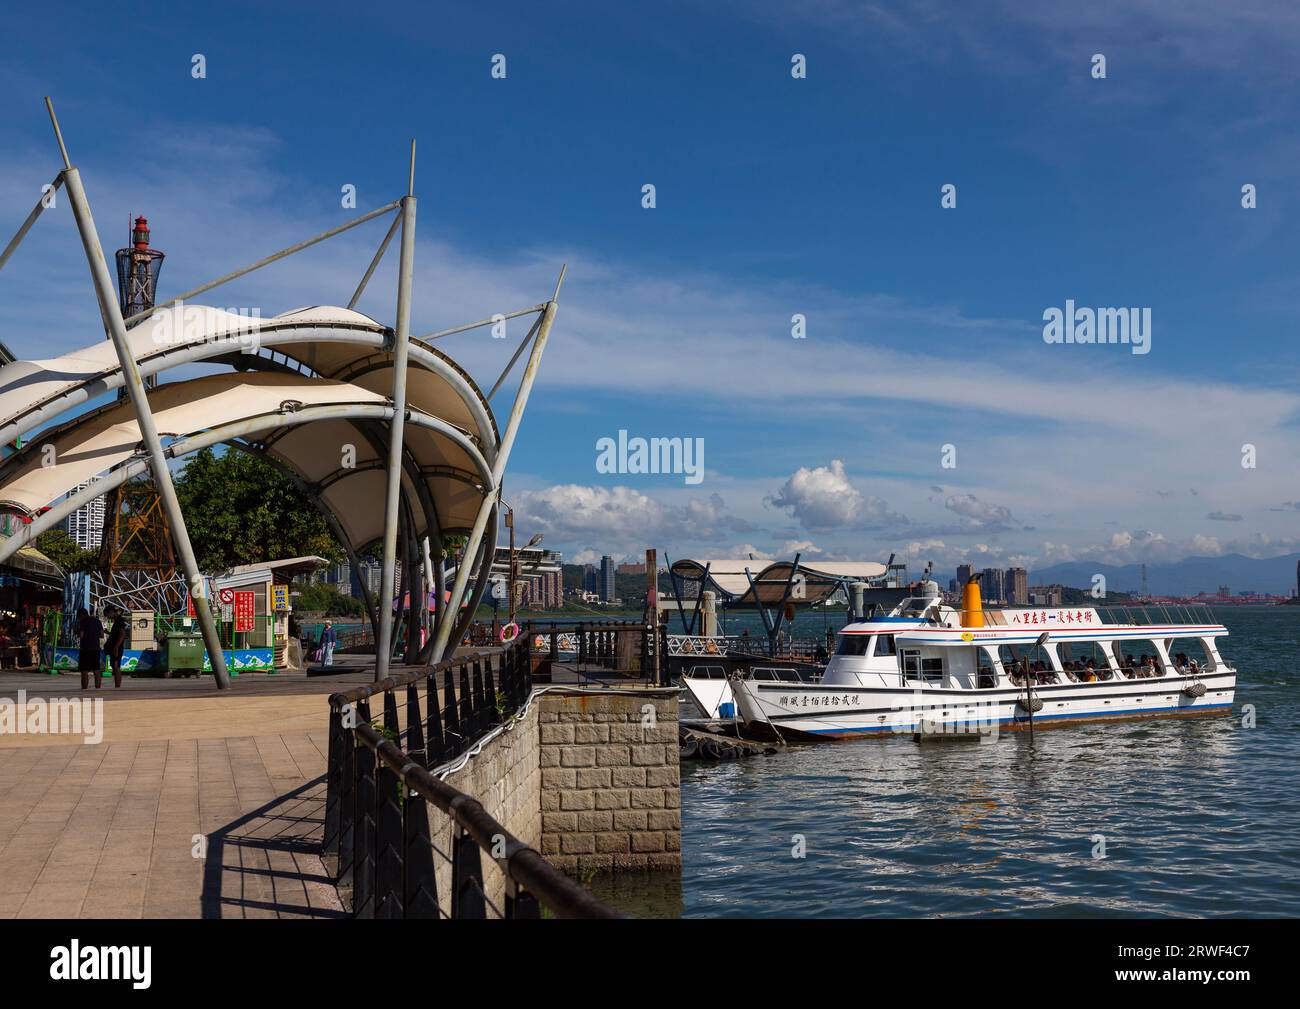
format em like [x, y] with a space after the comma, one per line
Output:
[712, 695]
[840, 711]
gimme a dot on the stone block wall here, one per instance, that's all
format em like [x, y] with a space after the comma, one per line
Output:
[610, 795]
[506, 779]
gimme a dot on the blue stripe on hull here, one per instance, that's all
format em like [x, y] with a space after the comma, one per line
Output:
[1019, 721]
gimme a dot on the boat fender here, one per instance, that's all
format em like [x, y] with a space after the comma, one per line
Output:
[1032, 704]
[1194, 690]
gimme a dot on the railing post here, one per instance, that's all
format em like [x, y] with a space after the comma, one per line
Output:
[520, 903]
[392, 727]
[466, 877]
[389, 844]
[466, 707]
[338, 739]
[435, 744]
[455, 731]
[347, 801]
[363, 876]
[495, 717]
[481, 721]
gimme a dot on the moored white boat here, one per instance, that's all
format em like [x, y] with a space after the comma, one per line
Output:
[932, 667]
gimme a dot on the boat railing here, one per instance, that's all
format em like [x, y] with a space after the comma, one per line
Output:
[1124, 614]
[1144, 614]
[783, 674]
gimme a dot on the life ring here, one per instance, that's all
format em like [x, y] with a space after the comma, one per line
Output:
[514, 633]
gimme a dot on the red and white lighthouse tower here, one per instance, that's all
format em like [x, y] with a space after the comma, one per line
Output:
[138, 267]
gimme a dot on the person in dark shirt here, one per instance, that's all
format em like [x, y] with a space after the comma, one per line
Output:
[90, 662]
[116, 644]
[328, 640]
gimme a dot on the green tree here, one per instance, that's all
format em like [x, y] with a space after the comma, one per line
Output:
[327, 600]
[62, 549]
[241, 510]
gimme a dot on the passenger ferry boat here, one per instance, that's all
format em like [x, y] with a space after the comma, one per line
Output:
[930, 667]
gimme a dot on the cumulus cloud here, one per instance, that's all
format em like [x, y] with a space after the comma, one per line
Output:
[805, 547]
[823, 497]
[622, 517]
[977, 512]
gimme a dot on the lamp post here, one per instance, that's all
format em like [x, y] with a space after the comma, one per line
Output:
[512, 576]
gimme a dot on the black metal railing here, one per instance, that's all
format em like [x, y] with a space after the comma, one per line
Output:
[624, 646]
[377, 836]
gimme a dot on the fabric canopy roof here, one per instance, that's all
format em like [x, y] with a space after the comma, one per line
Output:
[325, 341]
[813, 583]
[333, 453]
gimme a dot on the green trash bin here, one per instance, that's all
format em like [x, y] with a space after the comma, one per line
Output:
[184, 654]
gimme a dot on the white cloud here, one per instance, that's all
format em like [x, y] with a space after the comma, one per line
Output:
[977, 512]
[620, 518]
[823, 498]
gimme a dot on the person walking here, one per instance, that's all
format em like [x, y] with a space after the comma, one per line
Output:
[328, 640]
[116, 644]
[90, 662]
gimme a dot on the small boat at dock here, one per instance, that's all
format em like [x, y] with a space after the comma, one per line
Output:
[929, 667]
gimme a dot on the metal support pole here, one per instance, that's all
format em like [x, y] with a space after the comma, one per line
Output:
[383, 247]
[144, 416]
[498, 470]
[402, 335]
[27, 224]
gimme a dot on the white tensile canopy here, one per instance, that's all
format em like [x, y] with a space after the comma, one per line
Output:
[333, 454]
[819, 579]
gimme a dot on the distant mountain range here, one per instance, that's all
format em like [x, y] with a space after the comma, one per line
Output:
[1276, 575]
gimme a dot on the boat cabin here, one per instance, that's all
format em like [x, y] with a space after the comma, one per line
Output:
[924, 643]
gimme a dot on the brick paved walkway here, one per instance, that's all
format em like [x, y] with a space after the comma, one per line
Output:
[110, 830]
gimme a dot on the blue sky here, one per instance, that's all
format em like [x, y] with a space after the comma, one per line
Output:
[775, 196]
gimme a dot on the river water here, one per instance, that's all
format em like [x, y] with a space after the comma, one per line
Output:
[1172, 817]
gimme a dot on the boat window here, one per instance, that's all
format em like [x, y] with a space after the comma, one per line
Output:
[852, 644]
[1020, 661]
[1085, 661]
[1184, 651]
[1139, 659]
[986, 673]
[918, 667]
[885, 644]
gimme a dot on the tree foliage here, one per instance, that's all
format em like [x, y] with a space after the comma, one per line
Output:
[240, 510]
[62, 549]
[327, 600]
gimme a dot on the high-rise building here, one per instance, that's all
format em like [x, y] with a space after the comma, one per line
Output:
[85, 526]
[964, 571]
[590, 578]
[993, 585]
[1017, 585]
[607, 592]
[546, 591]
[340, 576]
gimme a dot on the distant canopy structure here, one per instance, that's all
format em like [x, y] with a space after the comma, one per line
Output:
[747, 584]
[388, 437]
[775, 588]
